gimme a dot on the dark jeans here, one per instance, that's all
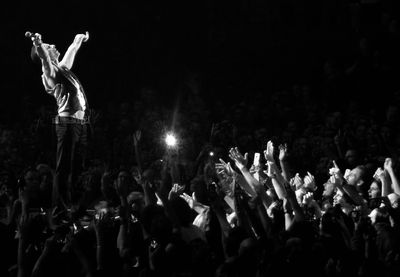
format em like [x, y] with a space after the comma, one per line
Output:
[70, 158]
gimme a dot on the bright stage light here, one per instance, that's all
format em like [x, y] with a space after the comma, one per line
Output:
[171, 140]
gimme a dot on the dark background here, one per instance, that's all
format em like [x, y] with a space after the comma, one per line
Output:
[233, 46]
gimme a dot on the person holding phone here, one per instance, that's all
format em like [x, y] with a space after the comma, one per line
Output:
[71, 121]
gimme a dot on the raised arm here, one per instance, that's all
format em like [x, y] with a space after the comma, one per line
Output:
[69, 56]
[136, 140]
[342, 185]
[283, 162]
[240, 162]
[226, 169]
[388, 165]
[44, 55]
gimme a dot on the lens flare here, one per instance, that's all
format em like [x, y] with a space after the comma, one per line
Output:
[171, 140]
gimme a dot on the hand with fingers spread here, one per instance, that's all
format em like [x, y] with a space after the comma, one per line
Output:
[269, 152]
[175, 191]
[238, 158]
[224, 168]
[283, 152]
[191, 200]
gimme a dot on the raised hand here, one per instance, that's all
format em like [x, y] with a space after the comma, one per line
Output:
[335, 170]
[309, 182]
[283, 152]
[337, 182]
[175, 191]
[269, 152]
[238, 158]
[224, 168]
[346, 173]
[79, 38]
[380, 173]
[136, 137]
[191, 200]
[86, 38]
[36, 39]
[388, 164]
[296, 182]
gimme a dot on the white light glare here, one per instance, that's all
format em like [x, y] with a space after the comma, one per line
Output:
[170, 140]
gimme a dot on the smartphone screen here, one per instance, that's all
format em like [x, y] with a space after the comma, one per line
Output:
[256, 160]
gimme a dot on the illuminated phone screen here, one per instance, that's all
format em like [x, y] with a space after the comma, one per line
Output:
[256, 160]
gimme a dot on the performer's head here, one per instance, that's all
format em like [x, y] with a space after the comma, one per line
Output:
[52, 50]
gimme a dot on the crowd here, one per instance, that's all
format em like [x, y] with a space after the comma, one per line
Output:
[303, 180]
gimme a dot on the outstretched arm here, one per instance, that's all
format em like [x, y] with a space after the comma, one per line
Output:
[388, 165]
[47, 67]
[69, 56]
[283, 162]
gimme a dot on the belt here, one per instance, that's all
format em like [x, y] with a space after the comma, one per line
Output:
[69, 120]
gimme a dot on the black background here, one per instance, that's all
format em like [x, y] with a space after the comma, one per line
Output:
[233, 46]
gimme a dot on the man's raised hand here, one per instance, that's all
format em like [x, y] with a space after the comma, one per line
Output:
[269, 152]
[224, 168]
[238, 158]
[283, 152]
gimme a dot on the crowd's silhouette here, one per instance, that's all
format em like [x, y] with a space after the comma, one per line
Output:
[322, 199]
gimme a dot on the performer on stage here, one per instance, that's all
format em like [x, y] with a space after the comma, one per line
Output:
[71, 122]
